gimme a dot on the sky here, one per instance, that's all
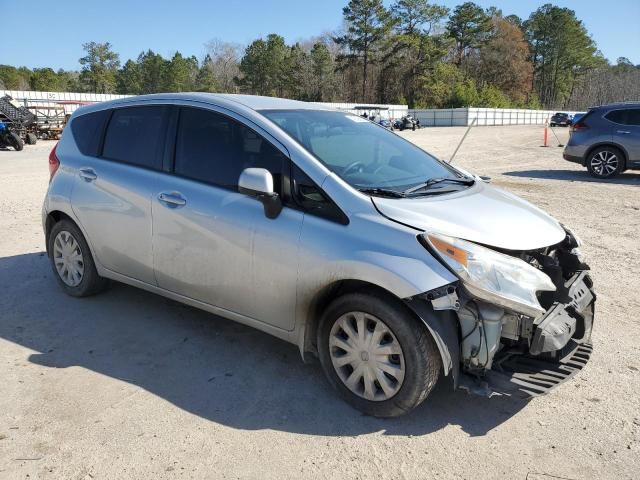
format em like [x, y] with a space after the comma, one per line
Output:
[50, 34]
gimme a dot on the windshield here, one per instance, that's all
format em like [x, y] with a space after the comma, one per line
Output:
[362, 153]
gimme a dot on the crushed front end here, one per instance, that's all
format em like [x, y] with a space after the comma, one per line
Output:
[513, 338]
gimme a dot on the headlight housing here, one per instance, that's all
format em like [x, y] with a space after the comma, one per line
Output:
[497, 278]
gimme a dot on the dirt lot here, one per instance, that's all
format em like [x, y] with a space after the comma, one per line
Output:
[130, 385]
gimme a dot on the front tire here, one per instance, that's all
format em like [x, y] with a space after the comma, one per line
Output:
[605, 162]
[377, 355]
[71, 261]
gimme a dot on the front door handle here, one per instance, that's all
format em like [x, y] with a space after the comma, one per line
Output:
[88, 174]
[623, 132]
[172, 199]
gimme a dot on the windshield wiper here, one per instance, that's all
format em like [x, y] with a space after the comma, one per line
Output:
[435, 181]
[382, 192]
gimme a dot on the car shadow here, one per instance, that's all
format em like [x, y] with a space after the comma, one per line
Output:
[627, 178]
[214, 368]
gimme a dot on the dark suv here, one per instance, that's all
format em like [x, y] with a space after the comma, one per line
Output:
[606, 140]
[560, 119]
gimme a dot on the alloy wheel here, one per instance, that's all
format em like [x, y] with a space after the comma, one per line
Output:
[367, 356]
[604, 163]
[68, 258]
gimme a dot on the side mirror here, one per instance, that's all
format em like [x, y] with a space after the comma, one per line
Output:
[258, 183]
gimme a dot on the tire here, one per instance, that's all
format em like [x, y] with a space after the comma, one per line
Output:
[31, 139]
[605, 162]
[418, 356]
[90, 282]
[15, 141]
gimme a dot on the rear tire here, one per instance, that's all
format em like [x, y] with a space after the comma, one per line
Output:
[413, 369]
[605, 162]
[15, 141]
[31, 139]
[68, 248]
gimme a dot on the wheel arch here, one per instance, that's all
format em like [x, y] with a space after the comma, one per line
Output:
[56, 216]
[625, 154]
[441, 325]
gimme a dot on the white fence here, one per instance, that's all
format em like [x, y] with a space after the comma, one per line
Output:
[484, 116]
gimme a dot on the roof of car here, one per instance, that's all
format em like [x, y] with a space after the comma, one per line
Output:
[254, 102]
[617, 105]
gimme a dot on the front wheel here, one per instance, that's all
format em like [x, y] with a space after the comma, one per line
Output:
[605, 162]
[377, 355]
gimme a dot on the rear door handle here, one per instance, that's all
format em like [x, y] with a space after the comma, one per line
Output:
[172, 199]
[623, 132]
[88, 174]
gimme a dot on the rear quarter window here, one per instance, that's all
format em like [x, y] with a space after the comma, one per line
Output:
[87, 131]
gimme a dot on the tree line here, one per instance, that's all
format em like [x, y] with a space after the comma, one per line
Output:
[415, 52]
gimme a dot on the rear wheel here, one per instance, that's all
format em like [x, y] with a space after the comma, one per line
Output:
[15, 141]
[380, 358]
[31, 139]
[605, 162]
[72, 262]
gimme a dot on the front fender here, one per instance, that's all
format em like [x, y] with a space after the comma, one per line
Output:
[443, 326]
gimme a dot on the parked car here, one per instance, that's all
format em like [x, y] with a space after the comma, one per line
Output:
[385, 123]
[561, 119]
[606, 140]
[316, 226]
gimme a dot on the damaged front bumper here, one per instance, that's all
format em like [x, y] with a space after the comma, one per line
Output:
[559, 347]
[491, 351]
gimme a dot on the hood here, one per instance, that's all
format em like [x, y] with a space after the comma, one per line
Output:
[481, 214]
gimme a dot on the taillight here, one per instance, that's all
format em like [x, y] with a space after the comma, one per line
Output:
[579, 127]
[54, 162]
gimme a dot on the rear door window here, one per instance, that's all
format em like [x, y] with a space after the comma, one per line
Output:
[617, 116]
[135, 135]
[213, 148]
[87, 131]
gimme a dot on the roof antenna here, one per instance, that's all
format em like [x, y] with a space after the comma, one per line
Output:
[473, 122]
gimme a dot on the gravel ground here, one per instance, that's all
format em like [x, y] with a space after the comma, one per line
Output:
[130, 385]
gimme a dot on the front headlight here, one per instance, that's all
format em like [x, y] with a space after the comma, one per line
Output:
[497, 278]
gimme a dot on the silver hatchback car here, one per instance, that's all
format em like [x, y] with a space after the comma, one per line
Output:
[326, 230]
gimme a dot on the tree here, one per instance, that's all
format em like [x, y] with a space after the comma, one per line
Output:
[152, 68]
[297, 73]
[504, 61]
[99, 67]
[469, 26]
[12, 78]
[206, 80]
[44, 80]
[416, 48]
[367, 24]
[180, 73]
[322, 69]
[225, 64]
[561, 52]
[128, 80]
[263, 66]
